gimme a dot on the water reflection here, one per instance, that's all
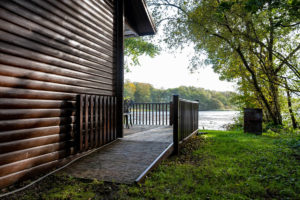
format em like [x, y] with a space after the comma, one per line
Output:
[209, 120]
[215, 120]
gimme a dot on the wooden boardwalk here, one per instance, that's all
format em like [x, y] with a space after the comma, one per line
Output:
[126, 159]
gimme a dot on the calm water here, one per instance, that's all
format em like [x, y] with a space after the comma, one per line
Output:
[215, 120]
[209, 120]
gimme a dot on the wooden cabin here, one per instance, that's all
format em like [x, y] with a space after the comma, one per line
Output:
[61, 79]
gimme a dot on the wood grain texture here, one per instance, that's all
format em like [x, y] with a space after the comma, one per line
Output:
[26, 164]
[33, 171]
[21, 134]
[97, 123]
[15, 156]
[51, 52]
[33, 142]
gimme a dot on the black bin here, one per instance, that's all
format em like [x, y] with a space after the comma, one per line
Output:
[253, 120]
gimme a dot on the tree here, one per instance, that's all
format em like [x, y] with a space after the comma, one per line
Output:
[129, 90]
[215, 104]
[253, 42]
[136, 47]
[290, 108]
[159, 95]
[208, 100]
[143, 92]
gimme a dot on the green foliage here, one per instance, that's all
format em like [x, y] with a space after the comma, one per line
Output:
[253, 43]
[61, 186]
[75, 192]
[208, 100]
[129, 90]
[218, 165]
[143, 92]
[226, 165]
[136, 47]
[268, 127]
[286, 116]
[215, 103]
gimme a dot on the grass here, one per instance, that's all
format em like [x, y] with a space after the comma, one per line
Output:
[218, 165]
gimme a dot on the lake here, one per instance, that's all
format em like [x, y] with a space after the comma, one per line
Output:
[210, 120]
[215, 120]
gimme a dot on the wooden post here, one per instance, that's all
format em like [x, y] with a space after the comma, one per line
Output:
[197, 115]
[156, 114]
[79, 137]
[101, 113]
[152, 114]
[115, 118]
[166, 113]
[97, 121]
[105, 120]
[91, 144]
[146, 113]
[119, 6]
[171, 114]
[109, 132]
[86, 110]
[140, 114]
[163, 113]
[175, 124]
[143, 113]
[159, 113]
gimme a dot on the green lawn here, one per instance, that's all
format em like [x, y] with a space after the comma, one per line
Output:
[218, 165]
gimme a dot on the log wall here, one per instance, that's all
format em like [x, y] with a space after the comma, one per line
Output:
[50, 52]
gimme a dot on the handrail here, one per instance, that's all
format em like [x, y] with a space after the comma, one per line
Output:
[189, 101]
[150, 103]
[185, 120]
[151, 114]
[96, 121]
[181, 113]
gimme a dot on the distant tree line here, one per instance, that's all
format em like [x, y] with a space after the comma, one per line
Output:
[208, 100]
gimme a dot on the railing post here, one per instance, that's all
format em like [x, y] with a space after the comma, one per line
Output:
[119, 59]
[171, 113]
[197, 115]
[175, 124]
[79, 126]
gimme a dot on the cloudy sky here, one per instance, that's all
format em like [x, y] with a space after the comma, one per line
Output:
[171, 70]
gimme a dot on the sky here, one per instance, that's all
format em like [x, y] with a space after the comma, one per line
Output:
[171, 70]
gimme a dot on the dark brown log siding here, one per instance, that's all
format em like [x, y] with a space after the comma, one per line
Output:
[50, 51]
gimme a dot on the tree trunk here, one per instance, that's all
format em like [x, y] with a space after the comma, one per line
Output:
[267, 104]
[289, 100]
[275, 97]
[273, 80]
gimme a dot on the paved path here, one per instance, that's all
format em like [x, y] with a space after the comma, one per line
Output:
[125, 159]
[155, 134]
[139, 128]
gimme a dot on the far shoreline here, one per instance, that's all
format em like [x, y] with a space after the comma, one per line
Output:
[217, 110]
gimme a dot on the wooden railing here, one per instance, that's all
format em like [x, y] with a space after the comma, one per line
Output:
[185, 121]
[151, 114]
[96, 121]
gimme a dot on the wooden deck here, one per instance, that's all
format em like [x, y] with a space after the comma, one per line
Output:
[128, 159]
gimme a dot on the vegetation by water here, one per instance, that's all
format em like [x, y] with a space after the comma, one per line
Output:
[252, 43]
[208, 100]
[218, 165]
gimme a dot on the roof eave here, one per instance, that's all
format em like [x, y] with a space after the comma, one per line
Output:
[139, 18]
